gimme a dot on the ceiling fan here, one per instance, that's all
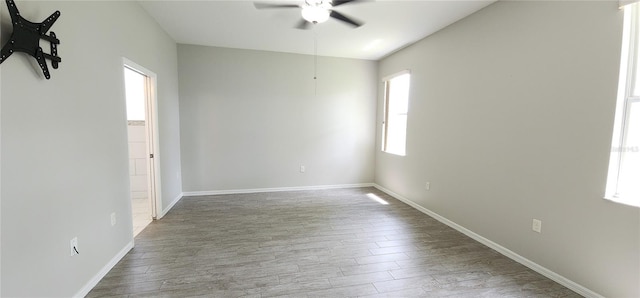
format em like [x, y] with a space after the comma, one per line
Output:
[316, 11]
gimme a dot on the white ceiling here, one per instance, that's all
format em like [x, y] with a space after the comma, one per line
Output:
[389, 25]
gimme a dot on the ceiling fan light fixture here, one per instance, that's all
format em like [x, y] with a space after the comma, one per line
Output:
[315, 14]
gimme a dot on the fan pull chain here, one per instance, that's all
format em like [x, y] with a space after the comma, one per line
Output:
[315, 61]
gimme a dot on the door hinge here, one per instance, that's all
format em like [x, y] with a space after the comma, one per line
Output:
[151, 155]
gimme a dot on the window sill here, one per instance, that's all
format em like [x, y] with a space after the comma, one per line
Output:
[396, 154]
[627, 201]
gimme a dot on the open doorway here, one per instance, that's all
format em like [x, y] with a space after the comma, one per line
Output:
[139, 87]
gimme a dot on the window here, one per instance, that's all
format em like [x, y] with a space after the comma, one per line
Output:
[396, 106]
[624, 166]
[135, 88]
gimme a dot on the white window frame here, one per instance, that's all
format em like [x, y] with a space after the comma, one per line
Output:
[385, 121]
[628, 66]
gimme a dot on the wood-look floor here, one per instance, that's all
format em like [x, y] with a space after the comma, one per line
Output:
[325, 243]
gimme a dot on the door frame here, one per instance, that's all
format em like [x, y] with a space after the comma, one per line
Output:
[153, 144]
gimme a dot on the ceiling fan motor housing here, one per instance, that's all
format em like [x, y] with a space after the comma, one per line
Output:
[315, 14]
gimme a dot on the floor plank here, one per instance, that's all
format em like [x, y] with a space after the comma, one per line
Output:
[321, 243]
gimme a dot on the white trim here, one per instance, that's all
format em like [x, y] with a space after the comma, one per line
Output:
[616, 139]
[153, 144]
[168, 208]
[497, 247]
[406, 71]
[103, 272]
[623, 3]
[276, 189]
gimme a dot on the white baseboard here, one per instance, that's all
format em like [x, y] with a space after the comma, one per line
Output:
[497, 247]
[101, 274]
[173, 203]
[277, 189]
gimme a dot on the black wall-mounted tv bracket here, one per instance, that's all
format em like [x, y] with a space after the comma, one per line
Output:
[26, 38]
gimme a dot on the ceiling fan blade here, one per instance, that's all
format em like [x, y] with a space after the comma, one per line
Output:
[263, 5]
[303, 25]
[336, 15]
[335, 3]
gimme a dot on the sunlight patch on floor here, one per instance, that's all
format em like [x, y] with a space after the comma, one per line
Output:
[376, 198]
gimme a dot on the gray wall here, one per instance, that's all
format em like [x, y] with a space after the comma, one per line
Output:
[249, 119]
[64, 144]
[511, 116]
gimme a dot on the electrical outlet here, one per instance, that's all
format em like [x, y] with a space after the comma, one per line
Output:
[113, 219]
[303, 169]
[427, 186]
[73, 247]
[536, 226]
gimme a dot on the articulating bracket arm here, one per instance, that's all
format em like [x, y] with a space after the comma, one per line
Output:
[26, 38]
